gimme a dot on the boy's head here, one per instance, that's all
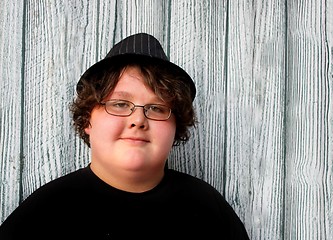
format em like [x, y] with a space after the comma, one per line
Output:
[168, 81]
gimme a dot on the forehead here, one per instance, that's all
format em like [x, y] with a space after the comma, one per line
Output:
[131, 84]
[132, 78]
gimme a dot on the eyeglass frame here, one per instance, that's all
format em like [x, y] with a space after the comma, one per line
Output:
[134, 106]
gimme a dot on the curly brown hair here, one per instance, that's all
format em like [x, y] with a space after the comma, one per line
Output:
[101, 79]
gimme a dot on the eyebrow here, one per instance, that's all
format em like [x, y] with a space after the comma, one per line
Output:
[123, 94]
[129, 96]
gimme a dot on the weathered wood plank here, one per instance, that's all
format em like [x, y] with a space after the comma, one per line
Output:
[308, 161]
[254, 163]
[197, 43]
[60, 42]
[11, 67]
[327, 211]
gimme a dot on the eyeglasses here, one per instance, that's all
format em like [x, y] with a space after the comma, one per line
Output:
[124, 108]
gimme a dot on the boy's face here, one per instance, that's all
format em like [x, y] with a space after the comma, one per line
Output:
[131, 148]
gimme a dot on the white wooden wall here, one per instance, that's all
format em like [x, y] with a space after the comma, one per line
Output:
[264, 75]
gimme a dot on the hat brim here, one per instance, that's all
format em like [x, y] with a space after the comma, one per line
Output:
[106, 62]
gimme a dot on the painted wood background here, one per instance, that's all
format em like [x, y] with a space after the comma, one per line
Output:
[264, 74]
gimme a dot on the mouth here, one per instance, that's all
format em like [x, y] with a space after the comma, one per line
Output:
[135, 140]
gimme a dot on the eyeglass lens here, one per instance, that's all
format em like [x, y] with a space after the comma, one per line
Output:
[126, 108]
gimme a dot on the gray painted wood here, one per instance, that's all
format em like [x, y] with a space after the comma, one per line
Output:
[11, 62]
[264, 75]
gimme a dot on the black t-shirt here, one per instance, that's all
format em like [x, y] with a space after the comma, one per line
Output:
[81, 206]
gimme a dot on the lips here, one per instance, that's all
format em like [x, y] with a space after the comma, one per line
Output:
[135, 139]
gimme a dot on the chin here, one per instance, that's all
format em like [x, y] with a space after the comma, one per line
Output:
[134, 162]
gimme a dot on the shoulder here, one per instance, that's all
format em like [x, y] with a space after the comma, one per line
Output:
[195, 189]
[48, 205]
[69, 181]
[187, 181]
[209, 204]
[61, 189]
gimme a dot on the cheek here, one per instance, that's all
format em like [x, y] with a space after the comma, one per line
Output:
[103, 126]
[166, 133]
[106, 128]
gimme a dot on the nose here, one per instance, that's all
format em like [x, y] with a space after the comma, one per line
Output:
[138, 118]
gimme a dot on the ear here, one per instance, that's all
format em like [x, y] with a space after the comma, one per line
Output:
[87, 129]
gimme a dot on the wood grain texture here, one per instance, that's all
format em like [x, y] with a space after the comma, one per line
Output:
[197, 43]
[255, 115]
[59, 45]
[11, 67]
[327, 196]
[264, 75]
[307, 124]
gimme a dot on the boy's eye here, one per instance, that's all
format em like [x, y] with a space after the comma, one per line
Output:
[121, 105]
[156, 108]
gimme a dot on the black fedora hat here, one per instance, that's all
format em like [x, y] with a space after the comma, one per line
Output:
[142, 45]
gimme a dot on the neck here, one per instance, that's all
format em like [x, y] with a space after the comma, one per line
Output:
[129, 181]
